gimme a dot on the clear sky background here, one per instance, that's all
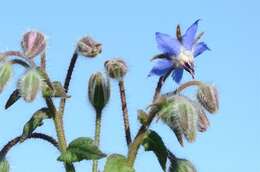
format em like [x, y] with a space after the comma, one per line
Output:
[126, 29]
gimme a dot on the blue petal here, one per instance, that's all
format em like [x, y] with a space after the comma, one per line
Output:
[177, 75]
[200, 48]
[189, 36]
[167, 44]
[161, 67]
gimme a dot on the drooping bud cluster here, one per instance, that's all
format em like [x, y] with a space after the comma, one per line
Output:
[98, 91]
[5, 74]
[179, 113]
[116, 68]
[33, 43]
[207, 95]
[30, 84]
[183, 165]
[88, 47]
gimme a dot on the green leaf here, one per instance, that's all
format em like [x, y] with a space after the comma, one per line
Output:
[153, 142]
[82, 148]
[13, 98]
[35, 121]
[117, 163]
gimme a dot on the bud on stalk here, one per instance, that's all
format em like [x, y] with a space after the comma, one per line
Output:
[88, 47]
[98, 91]
[116, 68]
[33, 44]
[207, 95]
[30, 84]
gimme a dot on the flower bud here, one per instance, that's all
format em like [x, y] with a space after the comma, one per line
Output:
[33, 44]
[88, 47]
[142, 117]
[208, 97]
[183, 165]
[98, 91]
[5, 75]
[116, 68]
[4, 165]
[30, 84]
[179, 113]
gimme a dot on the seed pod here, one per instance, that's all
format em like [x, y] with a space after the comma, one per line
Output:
[88, 47]
[116, 68]
[4, 165]
[207, 95]
[30, 84]
[5, 75]
[33, 44]
[182, 165]
[181, 116]
[98, 91]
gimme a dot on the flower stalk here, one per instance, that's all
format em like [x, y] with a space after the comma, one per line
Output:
[125, 112]
[97, 137]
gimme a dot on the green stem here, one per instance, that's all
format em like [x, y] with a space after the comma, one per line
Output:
[97, 138]
[125, 112]
[133, 149]
[58, 122]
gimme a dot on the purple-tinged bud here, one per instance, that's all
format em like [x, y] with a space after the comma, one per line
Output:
[5, 74]
[98, 91]
[207, 95]
[183, 165]
[116, 68]
[4, 165]
[88, 47]
[30, 84]
[33, 44]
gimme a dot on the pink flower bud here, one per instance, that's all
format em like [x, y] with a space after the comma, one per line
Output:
[33, 44]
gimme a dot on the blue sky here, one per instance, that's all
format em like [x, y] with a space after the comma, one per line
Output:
[126, 29]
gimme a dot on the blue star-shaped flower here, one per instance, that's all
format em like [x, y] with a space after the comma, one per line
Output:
[178, 54]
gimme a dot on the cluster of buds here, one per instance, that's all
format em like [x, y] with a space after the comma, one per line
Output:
[185, 116]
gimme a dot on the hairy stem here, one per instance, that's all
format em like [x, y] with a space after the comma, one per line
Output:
[67, 81]
[18, 54]
[43, 61]
[133, 149]
[58, 122]
[16, 140]
[125, 112]
[97, 137]
[183, 87]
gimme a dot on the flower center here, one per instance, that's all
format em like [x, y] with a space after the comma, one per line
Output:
[185, 56]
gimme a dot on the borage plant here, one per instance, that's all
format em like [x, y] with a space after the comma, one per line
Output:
[182, 114]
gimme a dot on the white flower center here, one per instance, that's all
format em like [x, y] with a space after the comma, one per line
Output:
[185, 56]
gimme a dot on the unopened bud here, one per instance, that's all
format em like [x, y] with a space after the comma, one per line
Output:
[98, 91]
[4, 165]
[142, 117]
[181, 116]
[30, 84]
[208, 97]
[5, 75]
[116, 68]
[183, 165]
[88, 47]
[33, 44]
